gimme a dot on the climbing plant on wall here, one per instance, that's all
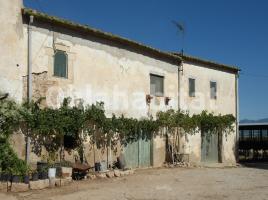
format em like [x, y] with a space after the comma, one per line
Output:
[175, 124]
[53, 128]
[211, 123]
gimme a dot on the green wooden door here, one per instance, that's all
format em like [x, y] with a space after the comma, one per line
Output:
[209, 148]
[138, 154]
[144, 153]
[131, 152]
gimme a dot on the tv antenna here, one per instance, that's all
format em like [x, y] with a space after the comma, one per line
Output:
[180, 26]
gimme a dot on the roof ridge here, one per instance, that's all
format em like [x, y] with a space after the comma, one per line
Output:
[103, 34]
[205, 61]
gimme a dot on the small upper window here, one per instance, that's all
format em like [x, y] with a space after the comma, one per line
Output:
[60, 64]
[213, 90]
[191, 87]
[156, 85]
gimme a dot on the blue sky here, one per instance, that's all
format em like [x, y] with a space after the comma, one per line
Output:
[227, 31]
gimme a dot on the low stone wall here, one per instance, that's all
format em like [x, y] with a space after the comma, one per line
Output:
[57, 182]
[109, 174]
[3, 186]
[39, 185]
[19, 187]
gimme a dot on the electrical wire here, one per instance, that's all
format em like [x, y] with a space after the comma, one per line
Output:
[254, 75]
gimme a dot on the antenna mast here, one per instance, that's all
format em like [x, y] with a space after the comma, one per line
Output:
[181, 30]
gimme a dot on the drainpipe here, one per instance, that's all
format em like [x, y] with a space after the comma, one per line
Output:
[237, 114]
[29, 82]
[180, 71]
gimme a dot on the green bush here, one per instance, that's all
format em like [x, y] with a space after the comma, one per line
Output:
[9, 161]
[9, 122]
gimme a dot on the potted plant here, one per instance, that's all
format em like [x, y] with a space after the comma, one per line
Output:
[51, 165]
[51, 171]
[19, 170]
[64, 169]
[34, 175]
[5, 176]
[26, 177]
[43, 173]
[16, 179]
[16, 176]
[42, 168]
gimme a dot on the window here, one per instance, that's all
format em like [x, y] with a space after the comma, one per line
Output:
[60, 64]
[156, 85]
[191, 87]
[213, 90]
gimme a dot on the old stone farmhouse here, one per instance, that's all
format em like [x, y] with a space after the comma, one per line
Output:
[69, 59]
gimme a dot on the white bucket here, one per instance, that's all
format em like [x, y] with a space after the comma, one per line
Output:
[52, 173]
[103, 166]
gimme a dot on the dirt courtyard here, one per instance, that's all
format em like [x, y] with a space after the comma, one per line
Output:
[165, 184]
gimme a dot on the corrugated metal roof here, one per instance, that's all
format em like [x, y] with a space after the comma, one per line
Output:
[254, 124]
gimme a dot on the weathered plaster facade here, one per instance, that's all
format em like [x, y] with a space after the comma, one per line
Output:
[103, 70]
[225, 103]
[12, 39]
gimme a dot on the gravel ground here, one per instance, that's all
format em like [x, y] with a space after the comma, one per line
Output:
[165, 184]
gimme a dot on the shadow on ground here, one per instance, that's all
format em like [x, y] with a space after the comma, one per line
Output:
[256, 165]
